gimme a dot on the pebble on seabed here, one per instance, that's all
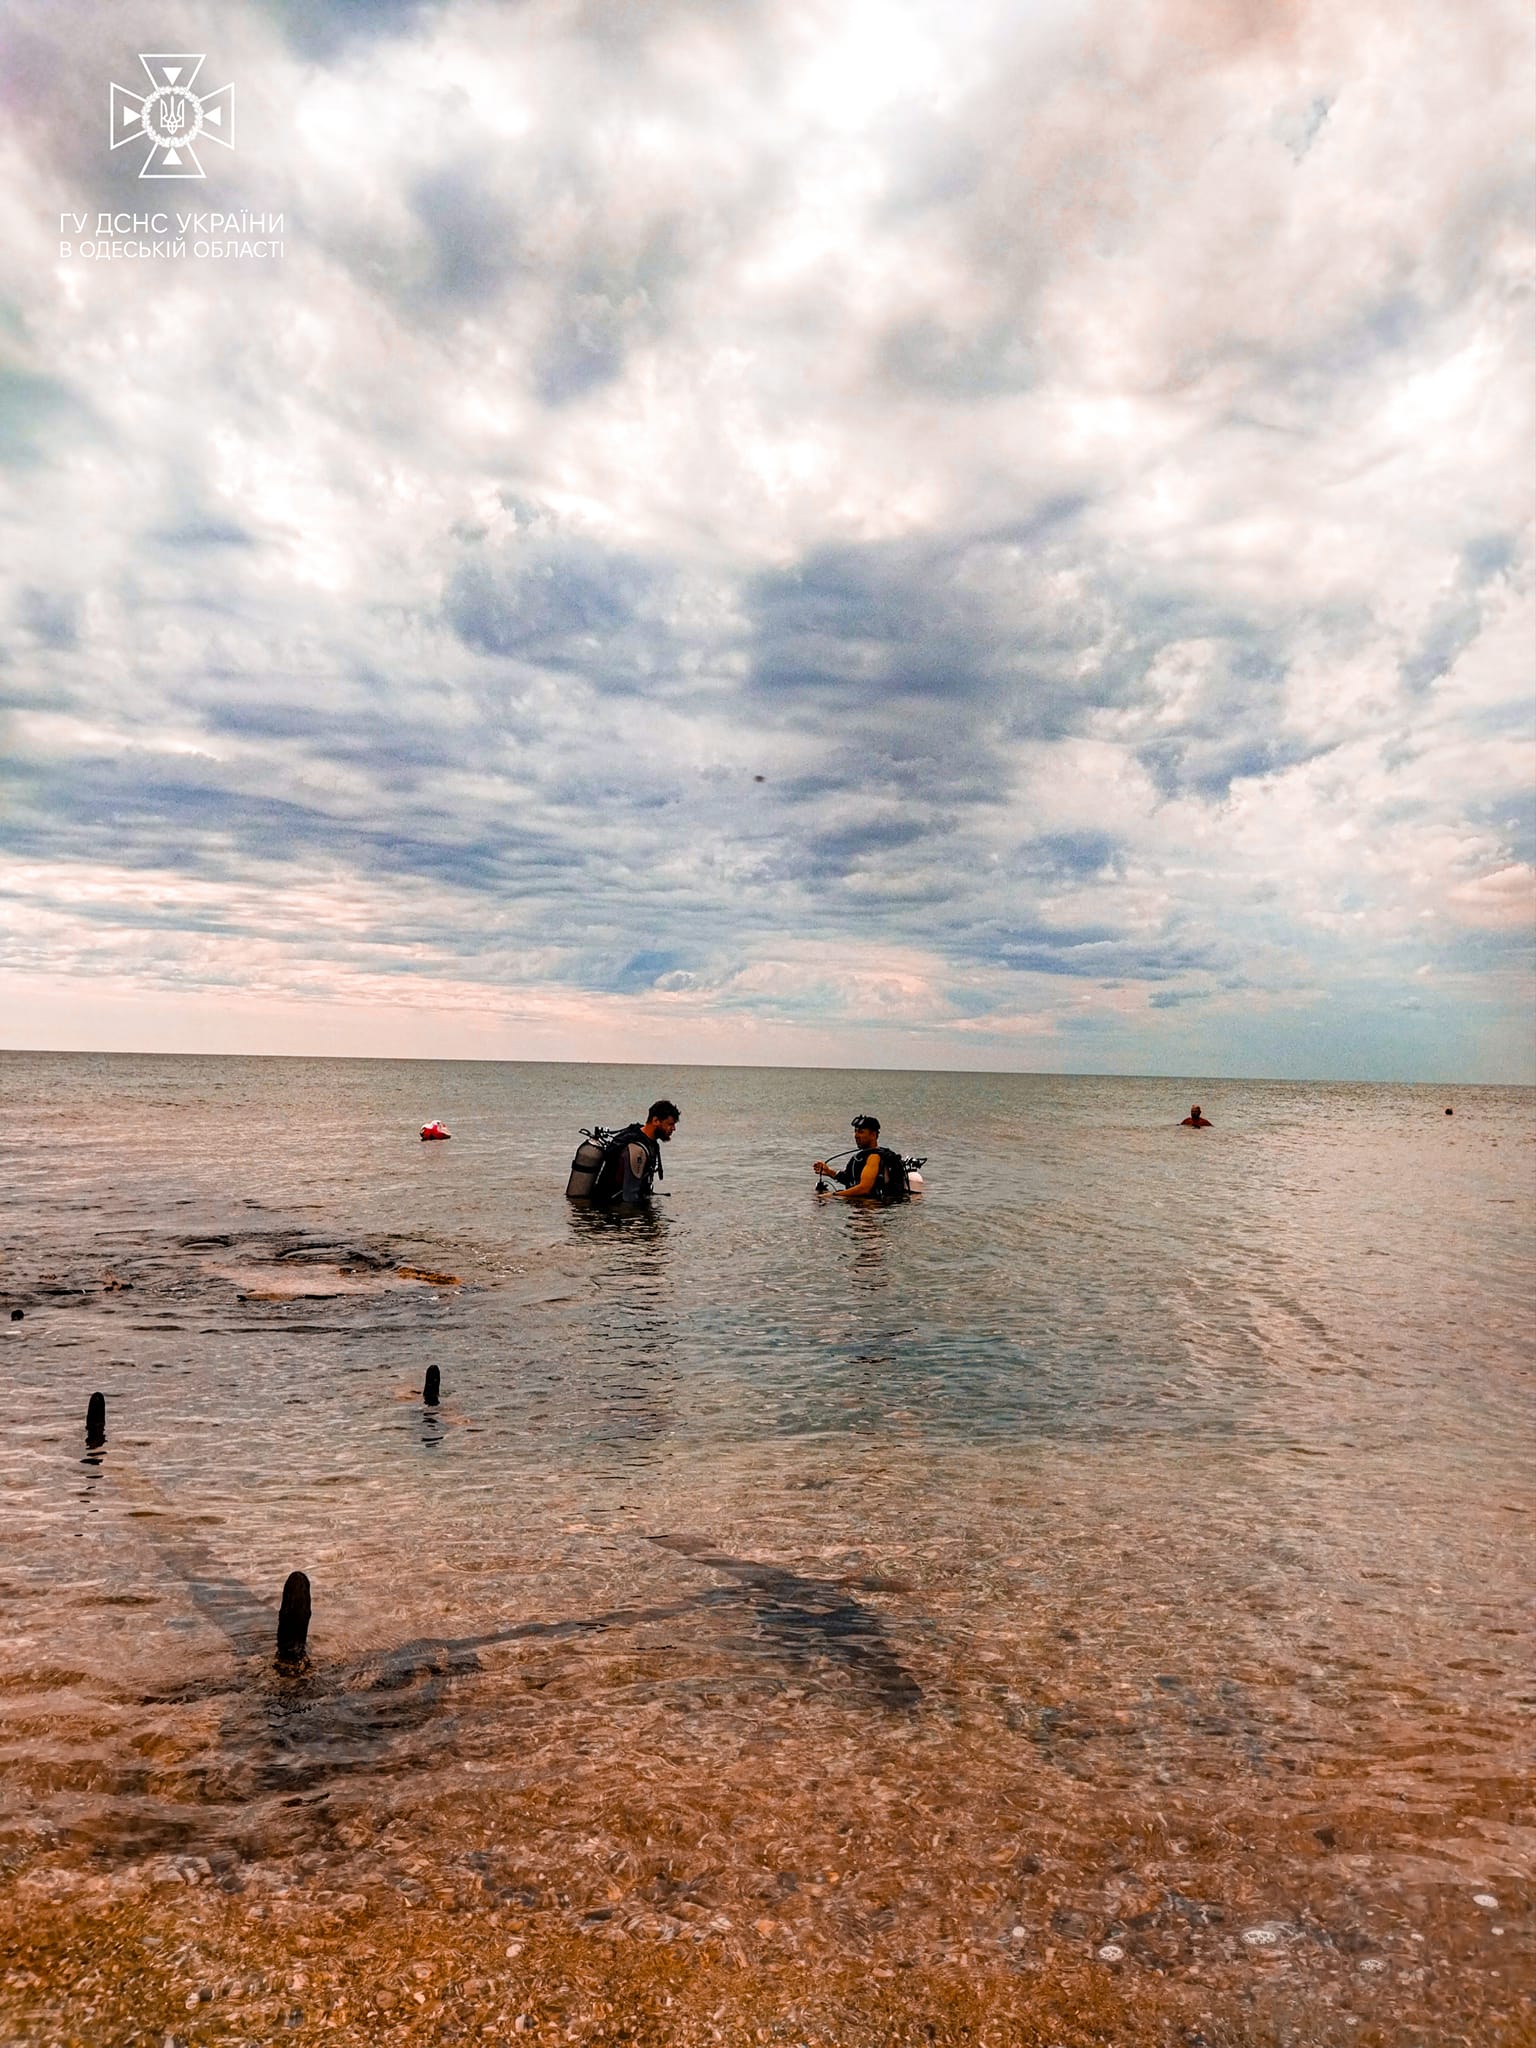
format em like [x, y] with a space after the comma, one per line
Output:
[1485, 1899]
[1111, 1952]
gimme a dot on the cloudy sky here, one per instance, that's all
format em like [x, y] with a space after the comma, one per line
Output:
[863, 532]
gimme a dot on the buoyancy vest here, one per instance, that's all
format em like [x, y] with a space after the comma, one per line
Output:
[608, 1185]
[890, 1181]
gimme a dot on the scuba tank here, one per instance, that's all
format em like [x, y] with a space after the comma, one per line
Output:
[590, 1154]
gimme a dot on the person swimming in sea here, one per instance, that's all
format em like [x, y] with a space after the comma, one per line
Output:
[1196, 1120]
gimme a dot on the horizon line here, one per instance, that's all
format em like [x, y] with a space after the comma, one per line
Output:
[762, 1067]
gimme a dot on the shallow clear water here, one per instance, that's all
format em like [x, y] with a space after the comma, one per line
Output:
[1143, 1511]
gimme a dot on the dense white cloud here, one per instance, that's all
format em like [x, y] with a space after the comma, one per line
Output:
[982, 535]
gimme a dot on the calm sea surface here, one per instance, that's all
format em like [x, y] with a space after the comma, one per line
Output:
[1140, 1516]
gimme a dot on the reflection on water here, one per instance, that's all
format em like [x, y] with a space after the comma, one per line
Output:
[1125, 1545]
[630, 1336]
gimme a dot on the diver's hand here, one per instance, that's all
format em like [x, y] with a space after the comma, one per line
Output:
[821, 1166]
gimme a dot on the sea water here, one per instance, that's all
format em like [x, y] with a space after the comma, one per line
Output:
[1138, 1518]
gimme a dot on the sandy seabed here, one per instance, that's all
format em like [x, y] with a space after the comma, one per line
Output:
[730, 1800]
[204, 1968]
[657, 1911]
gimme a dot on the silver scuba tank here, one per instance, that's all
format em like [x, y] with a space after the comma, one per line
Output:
[589, 1157]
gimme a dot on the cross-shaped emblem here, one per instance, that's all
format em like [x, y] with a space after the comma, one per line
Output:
[172, 118]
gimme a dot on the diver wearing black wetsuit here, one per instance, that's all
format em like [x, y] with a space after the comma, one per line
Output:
[873, 1174]
[632, 1162]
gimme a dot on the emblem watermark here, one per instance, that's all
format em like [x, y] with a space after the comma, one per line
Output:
[171, 117]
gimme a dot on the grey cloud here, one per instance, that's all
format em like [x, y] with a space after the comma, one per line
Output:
[969, 635]
[1071, 856]
[844, 844]
[927, 753]
[33, 409]
[1207, 764]
[323, 28]
[564, 602]
[914, 852]
[630, 27]
[1094, 954]
[1514, 820]
[613, 297]
[197, 529]
[1451, 630]
[926, 355]
[962, 620]
[583, 349]
[474, 235]
[151, 811]
[532, 230]
[1231, 726]
[17, 694]
[51, 617]
[1457, 620]
[1489, 555]
[403, 751]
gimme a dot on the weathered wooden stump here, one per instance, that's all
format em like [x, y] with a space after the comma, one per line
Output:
[293, 1619]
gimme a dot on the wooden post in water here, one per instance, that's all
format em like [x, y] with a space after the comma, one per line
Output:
[431, 1393]
[96, 1421]
[293, 1619]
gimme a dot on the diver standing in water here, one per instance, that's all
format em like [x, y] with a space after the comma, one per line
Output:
[627, 1165]
[874, 1174]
